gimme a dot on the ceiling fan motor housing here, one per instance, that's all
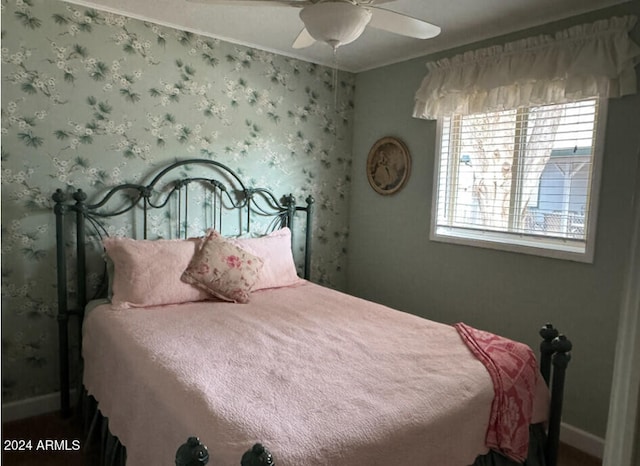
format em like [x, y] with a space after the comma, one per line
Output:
[336, 23]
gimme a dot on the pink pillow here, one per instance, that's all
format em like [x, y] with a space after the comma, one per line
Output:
[275, 251]
[147, 273]
[223, 269]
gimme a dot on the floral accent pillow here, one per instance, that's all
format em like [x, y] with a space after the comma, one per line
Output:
[223, 269]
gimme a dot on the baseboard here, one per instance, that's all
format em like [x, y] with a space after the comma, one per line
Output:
[583, 441]
[32, 406]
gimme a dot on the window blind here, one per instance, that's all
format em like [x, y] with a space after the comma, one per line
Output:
[522, 175]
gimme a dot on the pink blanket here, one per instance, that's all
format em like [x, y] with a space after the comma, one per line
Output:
[515, 376]
[318, 376]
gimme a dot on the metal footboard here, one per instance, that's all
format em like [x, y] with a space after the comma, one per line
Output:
[555, 354]
[194, 453]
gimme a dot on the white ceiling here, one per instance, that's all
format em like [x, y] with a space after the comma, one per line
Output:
[274, 28]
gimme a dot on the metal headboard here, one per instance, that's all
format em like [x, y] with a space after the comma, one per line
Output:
[223, 194]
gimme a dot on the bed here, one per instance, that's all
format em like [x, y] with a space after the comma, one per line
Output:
[214, 334]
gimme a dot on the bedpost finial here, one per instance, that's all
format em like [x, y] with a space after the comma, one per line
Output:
[192, 453]
[288, 200]
[258, 455]
[80, 196]
[562, 347]
[310, 200]
[59, 196]
[561, 344]
[548, 333]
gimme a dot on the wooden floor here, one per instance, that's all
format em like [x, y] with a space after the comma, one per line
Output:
[66, 444]
[38, 430]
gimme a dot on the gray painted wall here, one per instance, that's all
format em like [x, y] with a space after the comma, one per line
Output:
[392, 261]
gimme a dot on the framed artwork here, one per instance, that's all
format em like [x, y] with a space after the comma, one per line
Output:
[388, 165]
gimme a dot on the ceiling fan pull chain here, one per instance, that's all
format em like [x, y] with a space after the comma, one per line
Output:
[335, 78]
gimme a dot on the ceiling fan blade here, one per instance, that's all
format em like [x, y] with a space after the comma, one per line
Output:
[404, 25]
[295, 3]
[303, 40]
[372, 2]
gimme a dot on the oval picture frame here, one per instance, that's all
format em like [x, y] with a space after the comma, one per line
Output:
[388, 165]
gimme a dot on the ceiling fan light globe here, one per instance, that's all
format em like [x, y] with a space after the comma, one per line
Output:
[336, 23]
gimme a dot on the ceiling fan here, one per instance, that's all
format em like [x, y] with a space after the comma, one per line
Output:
[340, 22]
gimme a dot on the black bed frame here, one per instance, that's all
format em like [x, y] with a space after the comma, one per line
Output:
[227, 193]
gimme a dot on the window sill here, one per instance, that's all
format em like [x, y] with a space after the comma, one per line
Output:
[553, 247]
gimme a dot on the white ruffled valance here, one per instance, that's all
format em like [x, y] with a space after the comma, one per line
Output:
[584, 61]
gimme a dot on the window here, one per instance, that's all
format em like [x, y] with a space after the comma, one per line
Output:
[521, 180]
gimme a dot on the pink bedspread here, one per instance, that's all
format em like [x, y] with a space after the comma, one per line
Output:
[514, 371]
[319, 377]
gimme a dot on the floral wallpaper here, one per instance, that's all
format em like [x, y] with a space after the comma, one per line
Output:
[92, 99]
